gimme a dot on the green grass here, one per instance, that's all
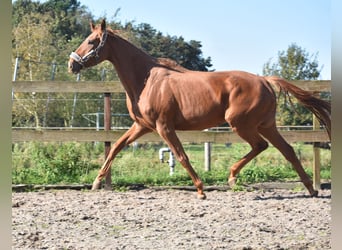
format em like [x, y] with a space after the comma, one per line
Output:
[69, 163]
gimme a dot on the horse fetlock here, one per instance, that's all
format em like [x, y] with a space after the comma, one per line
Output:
[199, 186]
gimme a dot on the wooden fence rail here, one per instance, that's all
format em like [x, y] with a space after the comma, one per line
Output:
[115, 86]
[84, 135]
[47, 134]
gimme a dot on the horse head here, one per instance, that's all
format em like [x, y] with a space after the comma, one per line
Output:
[90, 52]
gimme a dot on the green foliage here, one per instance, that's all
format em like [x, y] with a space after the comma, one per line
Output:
[68, 17]
[294, 64]
[43, 163]
[255, 174]
[31, 44]
[187, 54]
[50, 163]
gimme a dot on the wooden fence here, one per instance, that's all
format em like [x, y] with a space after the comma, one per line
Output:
[107, 135]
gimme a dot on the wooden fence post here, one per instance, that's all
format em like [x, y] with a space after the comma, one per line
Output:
[316, 155]
[316, 158]
[107, 127]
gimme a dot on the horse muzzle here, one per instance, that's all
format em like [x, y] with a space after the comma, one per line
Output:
[74, 67]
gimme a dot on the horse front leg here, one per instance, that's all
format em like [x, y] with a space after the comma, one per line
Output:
[171, 138]
[130, 136]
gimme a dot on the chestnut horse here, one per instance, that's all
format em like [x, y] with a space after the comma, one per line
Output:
[164, 97]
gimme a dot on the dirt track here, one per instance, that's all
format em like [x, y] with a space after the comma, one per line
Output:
[170, 219]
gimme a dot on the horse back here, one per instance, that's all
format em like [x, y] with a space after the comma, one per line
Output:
[198, 100]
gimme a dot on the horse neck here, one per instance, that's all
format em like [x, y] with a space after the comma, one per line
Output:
[132, 65]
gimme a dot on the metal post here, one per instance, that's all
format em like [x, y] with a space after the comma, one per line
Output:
[207, 155]
[97, 116]
[53, 72]
[16, 66]
[172, 163]
[171, 160]
[74, 104]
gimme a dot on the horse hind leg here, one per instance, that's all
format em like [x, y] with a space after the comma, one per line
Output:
[258, 145]
[272, 134]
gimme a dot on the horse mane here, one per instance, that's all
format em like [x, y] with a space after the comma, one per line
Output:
[161, 61]
[112, 32]
[171, 64]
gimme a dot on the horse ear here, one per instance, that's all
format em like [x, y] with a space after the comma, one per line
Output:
[103, 24]
[92, 26]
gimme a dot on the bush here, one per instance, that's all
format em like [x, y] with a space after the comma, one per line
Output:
[51, 163]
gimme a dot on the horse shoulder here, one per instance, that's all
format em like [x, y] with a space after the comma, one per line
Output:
[155, 96]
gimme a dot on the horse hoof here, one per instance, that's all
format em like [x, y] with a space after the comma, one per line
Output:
[96, 185]
[201, 196]
[314, 193]
[232, 182]
[108, 187]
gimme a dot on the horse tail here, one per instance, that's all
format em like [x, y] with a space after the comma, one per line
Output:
[320, 108]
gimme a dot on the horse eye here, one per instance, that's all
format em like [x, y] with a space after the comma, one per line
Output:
[91, 42]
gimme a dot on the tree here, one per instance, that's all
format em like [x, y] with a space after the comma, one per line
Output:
[187, 54]
[20, 8]
[43, 36]
[31, 43]
[293, 64]
[70, 18]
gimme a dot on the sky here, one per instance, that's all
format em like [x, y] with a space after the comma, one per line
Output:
[237, 35]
